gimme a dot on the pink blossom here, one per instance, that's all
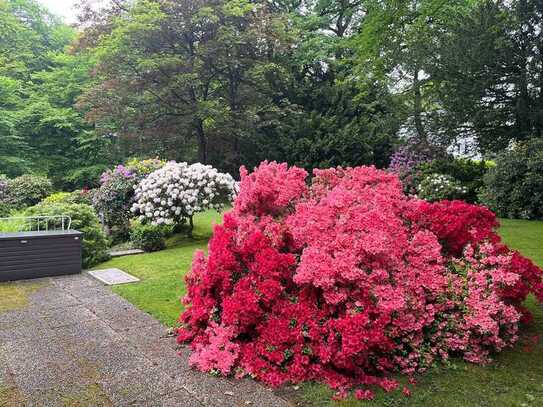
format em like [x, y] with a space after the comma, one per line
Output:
[348, 281]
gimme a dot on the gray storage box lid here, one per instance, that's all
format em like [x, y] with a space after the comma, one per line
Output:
[38, 235]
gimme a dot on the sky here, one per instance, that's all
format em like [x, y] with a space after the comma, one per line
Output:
[65, 8]
[62, 8]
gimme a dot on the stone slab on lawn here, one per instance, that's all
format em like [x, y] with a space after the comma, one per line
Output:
[129, 252]
[113, 276]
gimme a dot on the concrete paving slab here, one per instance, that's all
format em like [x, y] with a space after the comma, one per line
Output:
[3, 367]
[93, 331]
[18, 318]
[113, 276]
[58, 317]
[75, 281]
[175, 399]
[77, 343]
[52, 297]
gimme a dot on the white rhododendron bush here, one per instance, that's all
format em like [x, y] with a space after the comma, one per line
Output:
[175, 192]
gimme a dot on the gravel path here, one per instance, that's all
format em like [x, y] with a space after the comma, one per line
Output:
[69, 341]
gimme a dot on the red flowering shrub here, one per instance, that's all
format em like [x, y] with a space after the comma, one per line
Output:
[455, 223]
[347, 280]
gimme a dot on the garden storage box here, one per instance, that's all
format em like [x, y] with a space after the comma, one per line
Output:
[39, 254]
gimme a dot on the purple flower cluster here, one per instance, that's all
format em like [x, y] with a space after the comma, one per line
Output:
[119, 170]
[408, 157]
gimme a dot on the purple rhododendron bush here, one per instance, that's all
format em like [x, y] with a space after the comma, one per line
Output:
[347, 281]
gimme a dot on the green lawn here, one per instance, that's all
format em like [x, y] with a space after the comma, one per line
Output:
[515, 378]
[525, 236]
[162, 273]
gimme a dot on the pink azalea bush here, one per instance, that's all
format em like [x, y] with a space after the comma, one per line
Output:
[346, 280]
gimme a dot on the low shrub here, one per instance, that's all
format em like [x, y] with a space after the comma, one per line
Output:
[13, 223]
[3, 187]
[347, 281]
[437, 187]
[514, 186]
[114, 198]
[83, 196]
[408, 158]
[466, 172]
[57, 197]
[5, 207]
[27, 190]
[413, 163]
[84, 219]
[148, 237]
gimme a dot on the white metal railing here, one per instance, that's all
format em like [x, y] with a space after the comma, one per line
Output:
[35, 223]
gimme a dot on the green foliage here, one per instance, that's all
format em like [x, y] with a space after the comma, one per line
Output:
[437, 187]
[75, 197]
[82, 196]
[514, 187]
[40, 79]
[337, 126]
[113, 199]
[494, 48]
[148, 237]
[397, 45]
[112, 203]
[27, 190]
[231, 82]
[62, 143]
[13, 221]
[13, 148]
[468, 173]
[57, 197]
[83, 177]
[85, 220]
[465, 72]
[6, 209]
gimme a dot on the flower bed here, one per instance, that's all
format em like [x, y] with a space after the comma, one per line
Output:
[347, 281]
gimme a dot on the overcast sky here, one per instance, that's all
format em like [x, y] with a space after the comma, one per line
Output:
[65, 8]
[62, 8]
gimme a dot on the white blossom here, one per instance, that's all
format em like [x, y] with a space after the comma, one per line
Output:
[178, 190]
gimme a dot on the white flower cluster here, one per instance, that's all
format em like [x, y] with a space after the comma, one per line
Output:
[439, 184]
[176, 191]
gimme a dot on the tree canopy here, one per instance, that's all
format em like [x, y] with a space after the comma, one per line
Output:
[316, 83]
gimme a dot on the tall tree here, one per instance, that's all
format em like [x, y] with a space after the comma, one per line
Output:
[170, 72]
[333, 115]
[65, 146]
[40, 79]
[27, 35]
[490, 74]
[398, 45]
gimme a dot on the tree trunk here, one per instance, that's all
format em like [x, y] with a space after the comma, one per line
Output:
[539, 111]
[233, 90]
[191, 226]
[524, 105]
[202, 141]
[417, 108]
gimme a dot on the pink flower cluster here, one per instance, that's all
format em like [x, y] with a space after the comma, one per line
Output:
[346, 280]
